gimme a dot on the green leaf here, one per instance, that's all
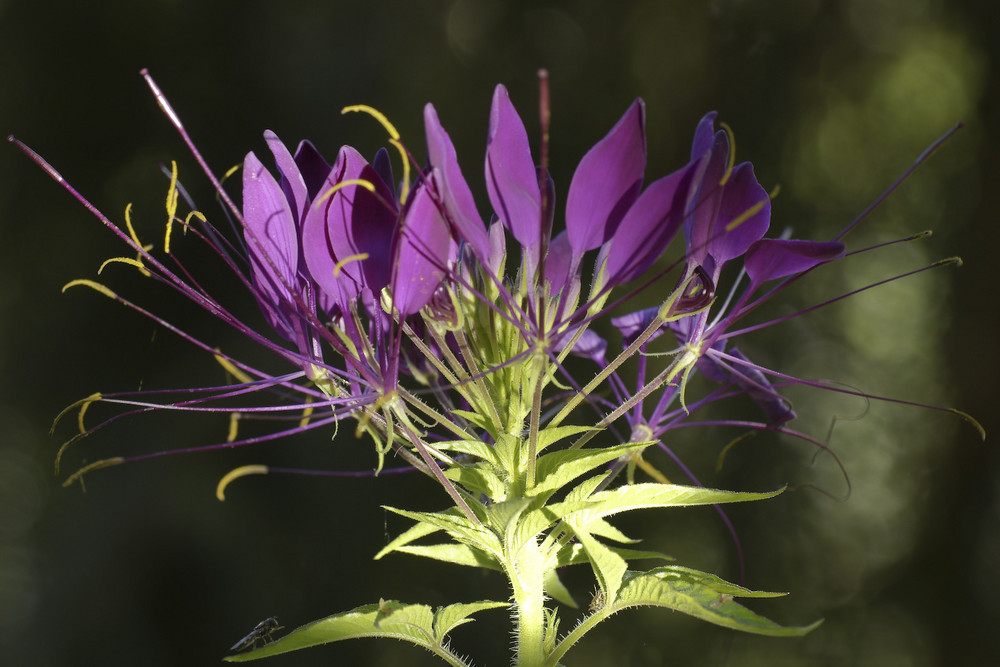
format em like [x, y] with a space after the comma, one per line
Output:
[478, 478]
[459, 554]
[476, 448]
[552, 435]
[703, 596]
[556, 469]
[574, 554]
[481, 421]
[653, 494]
[608, 566]
[448, 618]
[459, 527]
[417, 624]
[412, 533]
[555, 588]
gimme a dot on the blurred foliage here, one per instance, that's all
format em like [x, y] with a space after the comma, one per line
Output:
[833, 100]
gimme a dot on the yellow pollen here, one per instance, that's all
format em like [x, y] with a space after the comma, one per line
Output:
[306, 413]
[242, 471]
[232, 170]
[124, 260]
[91, 284]
[135, 238]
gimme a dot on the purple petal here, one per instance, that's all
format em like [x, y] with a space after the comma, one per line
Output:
[589, 346]
[769, 259]
[704, 135]
[453, 189]
[648, 227]
[511, 177]
[347, 237]
[633, 324]
[383, 167]
[704, 197]
[558, 262]
[606, 183]
[292, 183]
[271, 238]
[422, 251]
[734, 232]
[313, 167]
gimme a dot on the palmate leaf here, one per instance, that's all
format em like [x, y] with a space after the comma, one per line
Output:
[557, 469]
[452, 522]
[459, 554]
[414, 623]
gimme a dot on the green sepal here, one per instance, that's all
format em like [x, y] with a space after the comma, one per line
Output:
[416, 623]
[703, 596]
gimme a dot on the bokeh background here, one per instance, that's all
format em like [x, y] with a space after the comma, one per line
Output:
[830, 99]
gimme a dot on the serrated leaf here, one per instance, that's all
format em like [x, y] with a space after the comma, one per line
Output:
[555, 588]
[701, 595]
[448, 618]
[552, 435]
[601, 528]
[459, 527]
[652, 494]
[459, 554]
[583, 490]
[417, 624]
[556, 469]
[478, 478]
[608, 566]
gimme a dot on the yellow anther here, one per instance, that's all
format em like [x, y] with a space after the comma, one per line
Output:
[232, 170]
[83, 404]
[360, 257]
[172, 195]
[242, 471]
[135, 238]
[732, 152]
[367, 185]
[232, 369]
[773, 194]
[393, 139]
[234, 426]
[376, 114]
[104, 463]
[124, 260]
[91, 284]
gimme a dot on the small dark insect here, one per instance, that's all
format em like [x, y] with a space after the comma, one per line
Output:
[262, 633]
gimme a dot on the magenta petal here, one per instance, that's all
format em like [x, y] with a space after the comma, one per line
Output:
[606, 182]
[769, 259]
[347, 236]
[648, 227]
[704, 197]
[313, 167]
[272, 241]
[453, 189]
[734, 232]
[511, 177]
[421, 252]
[292, 183]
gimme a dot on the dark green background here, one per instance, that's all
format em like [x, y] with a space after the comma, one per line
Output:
[830, 99]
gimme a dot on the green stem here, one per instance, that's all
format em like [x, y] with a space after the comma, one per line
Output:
[526, 574]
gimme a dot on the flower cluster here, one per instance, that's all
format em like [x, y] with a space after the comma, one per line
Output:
[445, 338]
